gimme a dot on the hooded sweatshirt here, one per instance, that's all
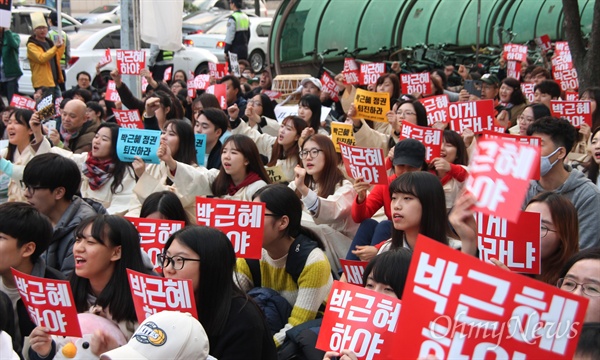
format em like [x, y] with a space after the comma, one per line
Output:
[585, 196]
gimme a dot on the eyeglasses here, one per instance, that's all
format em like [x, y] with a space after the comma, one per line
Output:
[405, 113]
[254, 103]
[313, 153]
[30, 190]
[177, 262]
[569, 285]
[544, 231]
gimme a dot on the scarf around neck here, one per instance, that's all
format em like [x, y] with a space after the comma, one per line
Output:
[251, 178]
[97, 171]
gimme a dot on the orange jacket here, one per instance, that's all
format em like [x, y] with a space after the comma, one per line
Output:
[39, 60]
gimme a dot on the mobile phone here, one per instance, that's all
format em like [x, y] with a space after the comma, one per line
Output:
[51, 125]
[473, 87]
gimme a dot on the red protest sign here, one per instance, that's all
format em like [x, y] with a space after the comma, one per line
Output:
[369, 73]
[437, 108]
[354, 270]
[106, 59]
[144, 84]
[129, 119]
[360, 320]
[329, 86]
[272, 94]
[498, 166]
[416, 83]
[577, 112]
[167, 74]
[154, 234]
[218, 70]
[561, 47]
[131, 62]
[513, 69]
[455, 306]
[191, 88]
[563, 70]
[543, 42]
[49, 303]
[515, 52]
[367, 163]
[22, 102]
[111, 92]
[530, 140]
[220, 91]
[527, 89]
[241, 221]
[516, 245]
[153, 294]
[474, 115]
[431, 138]
[571, 95]
[201, 82]
[351, 72]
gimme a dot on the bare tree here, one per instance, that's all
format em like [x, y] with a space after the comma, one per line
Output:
[586, 55]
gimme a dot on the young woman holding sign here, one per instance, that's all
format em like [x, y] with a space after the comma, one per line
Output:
[451, 166]
[327, 197]
[260, 115]
[281, 150]
[240, 176]
[234, 324]
[287, 245]
[105, 247]
[104, 177]
[178, 137]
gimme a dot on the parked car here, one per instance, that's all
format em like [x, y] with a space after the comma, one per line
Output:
[214, 41]
[105, 14]
[247, 6]
[21, 20]
[89, 45]
[200, 21]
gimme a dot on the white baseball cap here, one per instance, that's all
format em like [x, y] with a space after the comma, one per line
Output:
[313, 80]
[166, 335]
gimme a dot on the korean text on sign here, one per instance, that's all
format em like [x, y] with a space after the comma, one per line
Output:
[201, 82]
[200, 144]
[106, 59]
[563, 70]
[360, 320]
[437, 108]
[372, 105]
[153, 294]
[431, 138]
[354, 271]
[369, 73]
[530, 140]
[350, 72]
[474, 115]
[111, 92]
[416, 83]
[241, 221]
[455, 306]
[49, 303]
[499, 176]
[515, 52]
[129, 118]
[341, 133]
[577, 112]
[276, 174]
[368, 163]
[22, 102]
[543, 42]
[527, 89]
[131, 62]
[218, 70]
[329, 86]
[516, 245]
[140, 143]
[513, 69]
[154, 234]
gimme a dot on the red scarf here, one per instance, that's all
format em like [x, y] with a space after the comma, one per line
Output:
[98, 172]
[251, 178]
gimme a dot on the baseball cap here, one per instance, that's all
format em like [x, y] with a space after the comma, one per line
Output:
[409, 152]
[165, 335]
[313, 80]
[490, 79]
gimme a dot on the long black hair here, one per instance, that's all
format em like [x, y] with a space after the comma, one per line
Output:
[22, 116]
[121, 167]
[167, 204]
[111, 230]
[314, 104]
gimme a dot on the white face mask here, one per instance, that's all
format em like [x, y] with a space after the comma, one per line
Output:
[545, 165]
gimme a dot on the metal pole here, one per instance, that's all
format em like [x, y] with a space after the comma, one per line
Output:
[478, 31]
[130, 38]
[59, 17]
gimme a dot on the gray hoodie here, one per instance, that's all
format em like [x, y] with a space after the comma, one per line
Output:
[585, 196]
